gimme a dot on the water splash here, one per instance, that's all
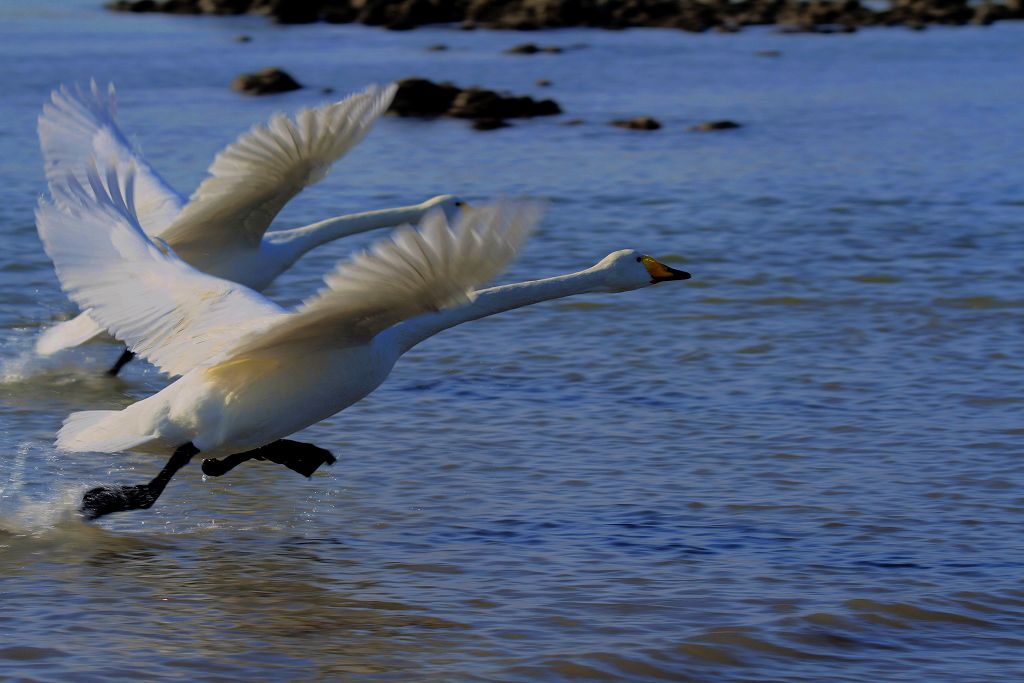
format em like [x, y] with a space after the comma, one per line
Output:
[25, 365]
[22, 510]
[37, 517]
[64, 381]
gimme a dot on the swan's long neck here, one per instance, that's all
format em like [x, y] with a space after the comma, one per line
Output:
[301, 240]
[496, 300]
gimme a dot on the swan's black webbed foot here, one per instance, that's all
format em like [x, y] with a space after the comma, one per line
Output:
[126, 356]
[304, 458]
[212, 467]
[104, 500]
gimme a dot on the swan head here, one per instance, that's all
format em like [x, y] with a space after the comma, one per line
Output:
[630, 269]
[448, 203]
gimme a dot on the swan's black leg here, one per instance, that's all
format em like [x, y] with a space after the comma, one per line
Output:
[126, 356]
[304, 458]
[103, 500]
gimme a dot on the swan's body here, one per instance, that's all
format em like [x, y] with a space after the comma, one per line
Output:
[231, 410]
[254, 373]
[221, 229]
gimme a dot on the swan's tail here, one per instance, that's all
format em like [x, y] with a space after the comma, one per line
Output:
[104, 431]
[68, 334]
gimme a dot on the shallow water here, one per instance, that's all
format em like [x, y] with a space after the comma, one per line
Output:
[802, 465]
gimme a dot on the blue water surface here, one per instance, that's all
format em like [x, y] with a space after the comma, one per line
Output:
[802, 465]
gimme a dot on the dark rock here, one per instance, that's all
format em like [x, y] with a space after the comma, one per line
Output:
[340, 13]
[638, 123]
[532, 49]
[490, 124]
[819, 16]
[420, 97]
[534, 14]
[573, 122]
[524, 49]
[265, 82]
[988, 13]
[405, 14]
[137, 6]
[243, 39]
[180, 7]
[225, 7]
[327, 91]
[295, 11]
[440, 47]
[723, 124]
[477, 103]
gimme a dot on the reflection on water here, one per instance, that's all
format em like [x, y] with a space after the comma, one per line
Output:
[803, 465]
[224, 595]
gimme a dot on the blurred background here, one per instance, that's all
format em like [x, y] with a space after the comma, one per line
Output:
[802, 465]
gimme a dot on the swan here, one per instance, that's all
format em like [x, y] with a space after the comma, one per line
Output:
[254, 373]
[222, 228]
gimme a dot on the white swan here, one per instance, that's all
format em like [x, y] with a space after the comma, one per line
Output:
[255, 373]
[221, 229]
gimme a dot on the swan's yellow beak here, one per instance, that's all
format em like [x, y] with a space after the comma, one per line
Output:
[660, 272]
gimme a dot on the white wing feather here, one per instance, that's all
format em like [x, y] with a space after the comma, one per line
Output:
[78, 124]
[252, 179]
[162, 308]
[68, 334]
[413, 272]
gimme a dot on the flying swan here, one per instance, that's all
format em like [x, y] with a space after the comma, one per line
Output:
[252, 372]
[222, 228]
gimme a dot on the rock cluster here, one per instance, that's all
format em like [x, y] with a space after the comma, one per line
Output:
[690, 15]
[488, 109]
[649, 123]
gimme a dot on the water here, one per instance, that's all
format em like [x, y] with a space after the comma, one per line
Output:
[802, 465]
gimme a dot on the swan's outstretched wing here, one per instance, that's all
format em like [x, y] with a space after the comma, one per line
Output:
[78, 124]
[252, 179]
[412, 272]
[68, 334]
[162, 308]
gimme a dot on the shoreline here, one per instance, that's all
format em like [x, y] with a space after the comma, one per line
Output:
[789, 16]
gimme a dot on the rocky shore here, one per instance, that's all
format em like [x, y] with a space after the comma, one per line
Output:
[690, 15]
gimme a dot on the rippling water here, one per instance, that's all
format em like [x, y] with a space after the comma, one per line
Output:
[802, 465]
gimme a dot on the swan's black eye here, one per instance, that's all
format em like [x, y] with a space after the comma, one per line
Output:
[639, 259]
[460, 204]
